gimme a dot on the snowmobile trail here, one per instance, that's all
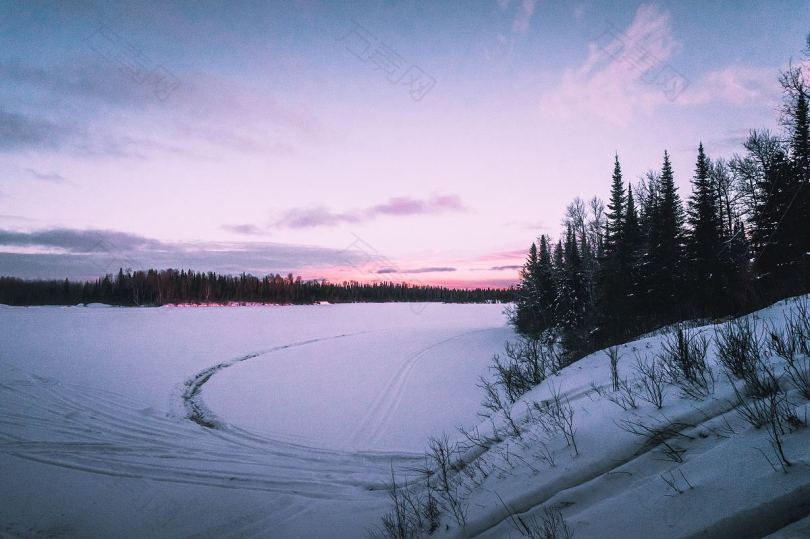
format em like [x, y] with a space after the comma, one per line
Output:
[192, 396]
[387, 402]
[95, 431]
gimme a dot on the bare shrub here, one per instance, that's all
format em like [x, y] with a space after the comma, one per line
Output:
[624, 396]
[527, 362]
[676, 484]
[659, 436]
[739, 346]
[613, 355]
[776, 414]
[556, 416]
[683, 355]
[476, 439]
[549, 525]
[652, 382]
[443, 476]
[793, 345]
[741, 351]
[401, 522]
[493, 402]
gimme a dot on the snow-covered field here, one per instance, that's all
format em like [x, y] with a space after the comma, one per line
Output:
[287, 422]
[311, 405]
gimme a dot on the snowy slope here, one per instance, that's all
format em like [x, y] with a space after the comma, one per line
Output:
[728, 485]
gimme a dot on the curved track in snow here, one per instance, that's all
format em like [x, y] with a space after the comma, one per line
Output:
[99, 431]
[192, 399]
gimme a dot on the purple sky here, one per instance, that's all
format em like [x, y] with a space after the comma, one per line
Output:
[381, 140]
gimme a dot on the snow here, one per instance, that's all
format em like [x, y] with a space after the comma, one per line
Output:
[614, 487]
[95, 440]
[312, 407]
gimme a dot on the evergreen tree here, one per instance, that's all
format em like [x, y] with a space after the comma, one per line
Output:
[773, 242]
[629, 264]
[706, 249]
[615, 215]
[571, 295]
[800, 135]
[546, 286]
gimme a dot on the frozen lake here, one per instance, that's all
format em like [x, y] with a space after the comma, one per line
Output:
[310, 404]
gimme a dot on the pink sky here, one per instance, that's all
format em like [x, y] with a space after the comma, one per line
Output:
[270, 140]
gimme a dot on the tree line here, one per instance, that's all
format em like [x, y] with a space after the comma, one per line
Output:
[740, 240]
[170, 286]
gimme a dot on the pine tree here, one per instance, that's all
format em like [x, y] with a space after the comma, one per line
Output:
[527, 316]
[631, 233]
[571, 294]
[615, 272]
[629, 265]
[773, 241]
[546, 286]
[798, 221]
[615, 215]
[800, 136]
[706, 247]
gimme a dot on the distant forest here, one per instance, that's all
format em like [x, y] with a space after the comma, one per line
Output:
[171, 286]
[650, 257]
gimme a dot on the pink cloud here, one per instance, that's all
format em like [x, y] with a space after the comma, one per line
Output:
[395, 207]
[735, 85]
[412, 206]
[610, 83]
[625, 75]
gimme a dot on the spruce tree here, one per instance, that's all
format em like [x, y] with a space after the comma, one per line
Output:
[705, 243]
[615, 215]
[527, 316]
[800, 136]
[629, 264]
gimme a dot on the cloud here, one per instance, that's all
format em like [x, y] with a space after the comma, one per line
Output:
[20, 131]
[247, 229]
[631, 72]
[519, 254]
[394, 207]
[523, 18]
[91, 87]
[77, 241]
[524, 11]
[618, 78]
[81, 254]
[315, 217]
[93, 80]
[45, 176]
[734, 85]
[505, 268]
[439, 269]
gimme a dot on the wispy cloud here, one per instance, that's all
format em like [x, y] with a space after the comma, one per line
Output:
[45, 176]
[20, 131]
[394, 207]
[607, 85]
[523, 13]
[246, 229]
[86, 91]
[626, 75]
[437, 269]
[523, 18]
[59, 253]
[734, 85]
